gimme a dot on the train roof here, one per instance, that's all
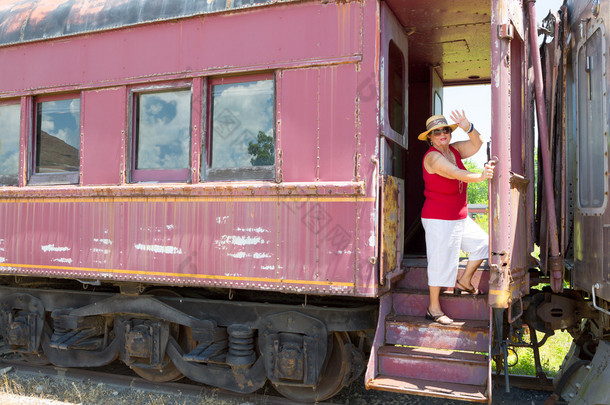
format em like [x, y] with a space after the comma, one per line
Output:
[25, 20]
[452, 36]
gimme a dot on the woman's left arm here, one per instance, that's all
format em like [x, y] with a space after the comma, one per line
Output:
[470, 147]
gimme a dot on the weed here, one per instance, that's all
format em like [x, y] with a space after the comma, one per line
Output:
[552, 354]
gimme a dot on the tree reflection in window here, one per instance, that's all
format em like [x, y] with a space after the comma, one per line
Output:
[242, 125]
[263, 151]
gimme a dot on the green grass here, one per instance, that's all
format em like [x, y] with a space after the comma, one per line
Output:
[555, 348]
[483, 221]
[552, 355]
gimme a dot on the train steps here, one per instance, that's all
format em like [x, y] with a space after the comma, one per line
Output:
[416, 356]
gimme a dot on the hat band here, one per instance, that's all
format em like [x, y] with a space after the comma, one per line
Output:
[437, 122]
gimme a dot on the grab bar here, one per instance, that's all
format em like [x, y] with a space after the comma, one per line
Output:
[595, 287]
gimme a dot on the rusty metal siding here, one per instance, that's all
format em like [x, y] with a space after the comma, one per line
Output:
[229, 242]
[213, 44]
[338, 115]
[319, 127]
[25, 21]
[103, 151]
[306, 236]
[299, 120]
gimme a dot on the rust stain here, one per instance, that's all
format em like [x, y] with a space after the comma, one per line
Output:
[391, 206]
[64, 269]
[347, 191]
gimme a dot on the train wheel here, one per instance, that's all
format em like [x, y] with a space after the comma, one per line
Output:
[168, 372]
[332, 378]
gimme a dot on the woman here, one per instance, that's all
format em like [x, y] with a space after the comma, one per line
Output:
[445, 214]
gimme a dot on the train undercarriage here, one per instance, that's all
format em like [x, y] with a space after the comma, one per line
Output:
[310, 351]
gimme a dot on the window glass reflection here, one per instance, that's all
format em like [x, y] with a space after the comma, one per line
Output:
[163, 130]
[10, 117]
[58, 136]
[243, 125]
[396, 88]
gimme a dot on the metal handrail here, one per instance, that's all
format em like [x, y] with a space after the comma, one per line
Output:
[595, 287]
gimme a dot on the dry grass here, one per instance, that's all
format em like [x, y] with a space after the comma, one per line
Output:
[71, 391]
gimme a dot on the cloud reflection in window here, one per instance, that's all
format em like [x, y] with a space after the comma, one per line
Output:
[163, 130]
[241, 112]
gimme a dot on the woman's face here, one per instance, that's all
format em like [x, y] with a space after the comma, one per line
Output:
[440, 137]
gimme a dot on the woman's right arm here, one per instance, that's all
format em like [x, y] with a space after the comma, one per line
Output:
[435, 162]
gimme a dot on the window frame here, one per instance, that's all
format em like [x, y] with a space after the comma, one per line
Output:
[15, 102]
[582, 47]
[393, 32]
[60, 178]
[259, 173]
[156, 175]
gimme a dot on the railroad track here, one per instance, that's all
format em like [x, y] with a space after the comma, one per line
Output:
[117, 384]
[184, 393]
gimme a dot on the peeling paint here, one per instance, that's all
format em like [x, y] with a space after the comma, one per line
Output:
[103, 241]
[261, 255]
[372, 239]
[53, 248]
[63, 260]
[240, 240]
[172, 250]
[340, 252]
[239, 255]
[96, 250]
[222, 220]
[256, 230]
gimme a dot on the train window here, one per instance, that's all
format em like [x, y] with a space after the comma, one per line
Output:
[162, 140]
[396, 88]
[57, 141]
[10, 119]
[242, 129]
[591, 133]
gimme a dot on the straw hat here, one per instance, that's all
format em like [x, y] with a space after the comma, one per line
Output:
[435, 122]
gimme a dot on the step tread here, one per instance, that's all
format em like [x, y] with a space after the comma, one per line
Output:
[428, 388]
[422, 262]
[433, 354]
[457, 324]
[448, 293]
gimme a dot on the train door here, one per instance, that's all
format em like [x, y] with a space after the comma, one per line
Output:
[592, 218]
[508, 200]
[393, 141]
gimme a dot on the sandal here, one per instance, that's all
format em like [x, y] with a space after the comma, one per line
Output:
[465, 291]
[442, 318]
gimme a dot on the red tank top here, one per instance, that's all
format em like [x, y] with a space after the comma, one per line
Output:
[445, 198]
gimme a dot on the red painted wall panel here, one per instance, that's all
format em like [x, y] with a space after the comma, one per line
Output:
[309, 31]
[239, 243]
[338, 131]
[301, 242]
[299, 106]
[103, 122]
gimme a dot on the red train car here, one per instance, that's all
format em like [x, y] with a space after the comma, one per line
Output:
[231, 191]
[214, 166]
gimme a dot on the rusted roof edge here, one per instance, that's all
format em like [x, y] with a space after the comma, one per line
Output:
[23, 21]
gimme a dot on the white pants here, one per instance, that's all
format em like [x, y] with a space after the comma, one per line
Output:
[444, 240]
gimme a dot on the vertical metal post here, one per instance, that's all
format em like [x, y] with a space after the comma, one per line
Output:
[555, 262]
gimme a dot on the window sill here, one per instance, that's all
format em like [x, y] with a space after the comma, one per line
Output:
[216, 189]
